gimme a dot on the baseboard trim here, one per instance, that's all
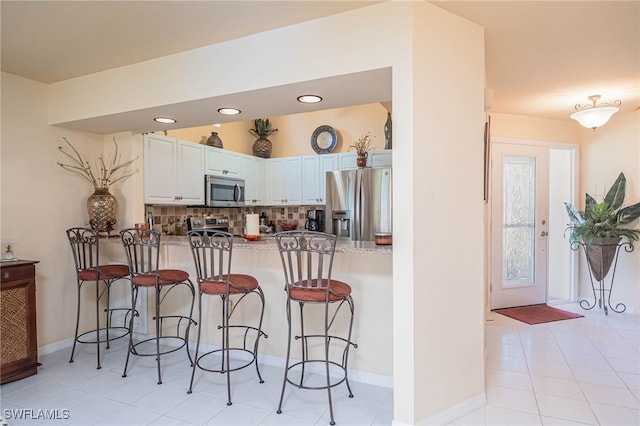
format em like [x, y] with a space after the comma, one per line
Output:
[457, 411]
[264, 359]
[56, 346]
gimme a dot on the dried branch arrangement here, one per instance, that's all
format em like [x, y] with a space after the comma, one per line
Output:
[105, 175]
[363, 144]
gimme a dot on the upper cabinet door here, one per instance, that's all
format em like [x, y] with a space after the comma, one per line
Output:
[380, 158]
[173, 171]
[285, 180]
[159, 170]
[328, 163]
[348, 160]
[311, 179]
[254, 181]
[190, 177]
[225, 163]
[314, 171]
[293, 175]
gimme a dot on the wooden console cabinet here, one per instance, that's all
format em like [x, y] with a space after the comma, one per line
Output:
[18, 338]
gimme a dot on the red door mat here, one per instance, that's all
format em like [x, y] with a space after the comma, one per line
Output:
[537, 314]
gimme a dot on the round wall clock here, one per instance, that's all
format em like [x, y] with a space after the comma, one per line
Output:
[324, 139]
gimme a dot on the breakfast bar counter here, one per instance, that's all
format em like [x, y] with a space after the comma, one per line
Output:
[344, 245]
[365, 266]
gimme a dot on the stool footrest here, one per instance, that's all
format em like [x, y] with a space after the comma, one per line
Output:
[151, 341]
[330, 337]
[123, 331]
[246, 362]
[302, 365]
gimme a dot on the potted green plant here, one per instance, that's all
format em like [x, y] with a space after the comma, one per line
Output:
[601, 226]
[262, 129]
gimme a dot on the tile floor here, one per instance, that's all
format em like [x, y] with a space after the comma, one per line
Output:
[582, 371]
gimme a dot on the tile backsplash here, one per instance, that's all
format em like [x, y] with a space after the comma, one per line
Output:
[172, 219]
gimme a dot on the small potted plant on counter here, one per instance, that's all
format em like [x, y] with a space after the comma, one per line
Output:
[262, 129]
[600, 228]
[362, 147]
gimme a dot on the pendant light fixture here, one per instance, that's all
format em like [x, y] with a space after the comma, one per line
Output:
[594, 116]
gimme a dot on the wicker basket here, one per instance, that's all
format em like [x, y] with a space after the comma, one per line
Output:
[262, 147]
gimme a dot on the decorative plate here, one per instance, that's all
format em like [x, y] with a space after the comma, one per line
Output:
[324, 139]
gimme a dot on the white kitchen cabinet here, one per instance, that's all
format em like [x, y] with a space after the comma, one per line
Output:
[379, 158]
[224, 163]
[348, 160]
[284, 180]
[173, 171]
[255, 176]
[314, 182]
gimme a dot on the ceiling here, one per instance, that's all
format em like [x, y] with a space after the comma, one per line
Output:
[542, 57]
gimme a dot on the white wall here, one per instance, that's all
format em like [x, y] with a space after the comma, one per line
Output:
[611, 149]
[437, 76]
[561, 190]
[294, 131]
[448, 206]
[40, 201]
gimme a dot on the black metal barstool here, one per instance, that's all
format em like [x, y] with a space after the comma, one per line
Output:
[212, 257]
[85, 246]
[307, 260]
[142, 247]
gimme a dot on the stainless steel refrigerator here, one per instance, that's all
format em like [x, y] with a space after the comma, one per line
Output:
[359, 203]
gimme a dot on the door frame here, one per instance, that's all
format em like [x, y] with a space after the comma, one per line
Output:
[574, 151]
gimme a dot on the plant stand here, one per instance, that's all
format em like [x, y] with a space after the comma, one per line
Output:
[601, 289]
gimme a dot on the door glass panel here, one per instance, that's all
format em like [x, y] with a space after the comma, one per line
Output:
[518, 223]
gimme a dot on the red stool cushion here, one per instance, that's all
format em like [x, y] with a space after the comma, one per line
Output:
[339, 290]
[105, 272]
[166, 277]
[240, 283]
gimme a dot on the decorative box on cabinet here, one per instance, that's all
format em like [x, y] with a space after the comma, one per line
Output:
[18, 337]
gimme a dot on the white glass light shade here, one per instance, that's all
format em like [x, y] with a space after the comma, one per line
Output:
[229, 111]
[594, 117]
[309, 99]
[165, 120]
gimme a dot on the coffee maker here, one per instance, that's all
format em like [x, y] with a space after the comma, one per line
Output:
[315, 220]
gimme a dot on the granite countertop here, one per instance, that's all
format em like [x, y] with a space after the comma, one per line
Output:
[344, 245]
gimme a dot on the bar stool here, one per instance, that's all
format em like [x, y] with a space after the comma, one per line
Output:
[85, 247]
[142, 247]
[212, 257]
[307, 260]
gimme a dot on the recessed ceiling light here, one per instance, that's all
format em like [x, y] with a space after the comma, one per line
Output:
[229, 111]
[309, 99]
[164, 120]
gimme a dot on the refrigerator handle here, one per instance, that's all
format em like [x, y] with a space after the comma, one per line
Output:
[356, 221]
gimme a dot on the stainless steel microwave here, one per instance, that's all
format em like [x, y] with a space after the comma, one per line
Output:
[222, 191]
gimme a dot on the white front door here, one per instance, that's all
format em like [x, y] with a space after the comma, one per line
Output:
[519, 225]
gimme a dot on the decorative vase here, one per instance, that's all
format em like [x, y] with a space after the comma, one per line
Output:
[387, 132]
[103, 209]
[600, 255]
[361, 160]
[214, 140]
[262, 147]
